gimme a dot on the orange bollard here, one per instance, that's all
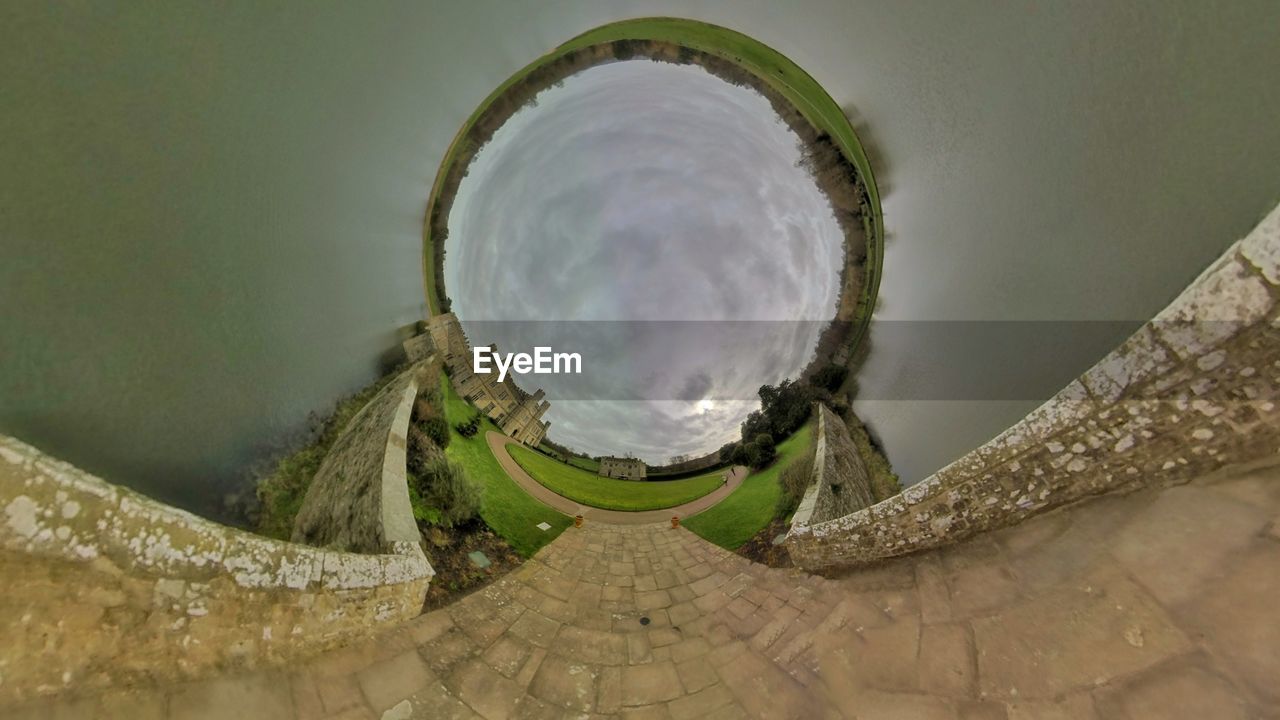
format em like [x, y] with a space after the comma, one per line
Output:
[577, 521]
[675, 521]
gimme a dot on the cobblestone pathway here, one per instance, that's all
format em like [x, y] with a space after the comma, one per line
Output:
[1160, 604]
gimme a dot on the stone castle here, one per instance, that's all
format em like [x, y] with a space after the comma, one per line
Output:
[515, 411]
[622, 467]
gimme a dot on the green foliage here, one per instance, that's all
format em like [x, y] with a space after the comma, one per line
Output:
[796, 479]
[783, 409]
[751, 507]
[421, 511]
[445, 494]
[760, 451]
[436, 428]
[506, 508]
[469, 428]
[628, 495]
[830, 377]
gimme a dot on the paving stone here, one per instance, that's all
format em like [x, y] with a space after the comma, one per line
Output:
[1073, 707]
[339, 693]
[565, 683]
[507, 655]
[696, 674]
[536, 628]
[591, 646]
[946, 663]
[701, 703]
[1073, 639]
[1237, 618]
[388, 682]
[609, 690]
[484, 689]
[1201, 528]
[639, 649]
[650, 683]
[255, 697]
[652, 600]
[1180, 690]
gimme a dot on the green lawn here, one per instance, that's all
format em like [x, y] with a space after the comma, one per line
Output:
[733, 521]
[763, 61]
[507, 509]
[587, 464]
[591, 489]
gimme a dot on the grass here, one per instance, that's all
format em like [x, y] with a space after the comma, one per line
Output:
[800, 88]
[751, 507]
[585, 463]
[504, 507]
[627, 495]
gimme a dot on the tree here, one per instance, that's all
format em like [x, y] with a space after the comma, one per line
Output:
[830, 377]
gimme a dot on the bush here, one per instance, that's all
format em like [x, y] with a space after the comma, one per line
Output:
[442, 494]
[468, 428]
[795, 481]
[437, 429]
[761, 450]
[830, 377]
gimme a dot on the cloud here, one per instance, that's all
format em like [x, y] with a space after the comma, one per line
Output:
[646, 191]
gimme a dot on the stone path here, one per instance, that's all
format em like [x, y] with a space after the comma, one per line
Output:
[498, 442]
[1160, 604]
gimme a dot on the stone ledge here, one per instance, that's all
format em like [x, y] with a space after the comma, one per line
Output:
[1193, 390]
[190, 595]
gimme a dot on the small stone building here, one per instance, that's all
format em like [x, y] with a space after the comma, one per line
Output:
[622, 468]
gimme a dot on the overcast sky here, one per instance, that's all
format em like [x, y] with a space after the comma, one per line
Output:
[643, 191]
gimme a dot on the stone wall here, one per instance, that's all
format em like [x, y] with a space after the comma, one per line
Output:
[359, 499]
[840, 483]
[106, 587]
[1193, 390]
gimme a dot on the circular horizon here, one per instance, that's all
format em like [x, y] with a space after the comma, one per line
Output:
[646, 191]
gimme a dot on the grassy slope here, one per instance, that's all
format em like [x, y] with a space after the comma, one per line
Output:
[765, 62]
[507, 509]
[733, 521]
[591, 489]
[585, 463]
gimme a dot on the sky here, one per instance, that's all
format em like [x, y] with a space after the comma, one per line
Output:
[636, 215]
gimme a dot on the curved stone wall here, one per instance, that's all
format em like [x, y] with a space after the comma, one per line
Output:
[106, 587]
[1193, 390]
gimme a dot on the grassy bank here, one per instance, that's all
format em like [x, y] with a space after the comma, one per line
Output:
[591, 489]
[505, 508]
[751, 507]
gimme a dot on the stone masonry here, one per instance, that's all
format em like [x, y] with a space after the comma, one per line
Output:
[840, 482]
[1158, 604]
[105, 587]
[359, 498]
[1193, 390]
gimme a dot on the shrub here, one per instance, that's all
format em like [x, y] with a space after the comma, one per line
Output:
[437, 429]
[830, 377]
[468, 428]
[795, 481]
[444, 494]
[760, 451]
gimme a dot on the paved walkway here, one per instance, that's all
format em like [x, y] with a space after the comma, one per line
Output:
[1160, 604]
[498, 442]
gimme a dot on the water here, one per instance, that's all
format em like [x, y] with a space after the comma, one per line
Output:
[210, 219]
